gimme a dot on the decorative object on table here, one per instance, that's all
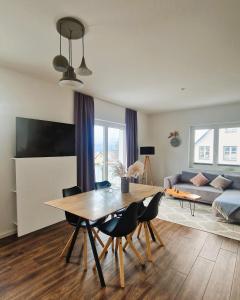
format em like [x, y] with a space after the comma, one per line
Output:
[125, 184]
[134, 171]
[71, 29]
[174, 139]
[147, 174]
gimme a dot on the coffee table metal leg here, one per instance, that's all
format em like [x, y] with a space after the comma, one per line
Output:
[181, 203]
[192, 209]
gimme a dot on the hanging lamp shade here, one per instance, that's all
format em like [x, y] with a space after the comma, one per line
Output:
[83, 69]
[60, 63]
[70, 79]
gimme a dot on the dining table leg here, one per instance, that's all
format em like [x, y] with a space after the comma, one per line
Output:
[70, 249]
[94, 250]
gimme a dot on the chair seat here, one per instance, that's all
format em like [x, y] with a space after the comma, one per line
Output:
[109, 226]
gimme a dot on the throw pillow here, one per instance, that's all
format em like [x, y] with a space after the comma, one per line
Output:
[199, 180]
[220, 183]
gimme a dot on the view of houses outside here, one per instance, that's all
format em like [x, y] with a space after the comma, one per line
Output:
[104, 162]
[228, 146]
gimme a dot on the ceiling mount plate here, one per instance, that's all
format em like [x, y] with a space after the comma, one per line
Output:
[71, 28]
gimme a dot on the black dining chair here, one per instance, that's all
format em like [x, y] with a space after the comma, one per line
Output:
[102, 185]
[117, 228]
[145, 220]
[73, 220]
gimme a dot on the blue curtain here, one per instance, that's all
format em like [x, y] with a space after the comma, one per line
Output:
[131, 136]
[84, 132]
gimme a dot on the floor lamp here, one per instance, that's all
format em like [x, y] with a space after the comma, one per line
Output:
[147, 175]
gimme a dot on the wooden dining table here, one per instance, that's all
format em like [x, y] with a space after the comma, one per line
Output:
[97, 204]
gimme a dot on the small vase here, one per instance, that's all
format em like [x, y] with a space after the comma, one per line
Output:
[124, 184]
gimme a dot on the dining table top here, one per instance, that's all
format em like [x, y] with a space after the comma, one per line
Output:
[96, 204]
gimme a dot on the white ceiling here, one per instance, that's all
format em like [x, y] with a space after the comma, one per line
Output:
[141, 52]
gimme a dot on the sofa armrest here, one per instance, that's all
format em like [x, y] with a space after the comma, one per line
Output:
[170, 181]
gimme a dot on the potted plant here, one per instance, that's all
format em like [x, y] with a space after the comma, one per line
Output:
[134, 171]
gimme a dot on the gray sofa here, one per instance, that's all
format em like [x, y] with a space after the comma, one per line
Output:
[225, 203]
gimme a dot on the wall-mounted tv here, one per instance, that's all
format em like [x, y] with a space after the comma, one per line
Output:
[38, 138]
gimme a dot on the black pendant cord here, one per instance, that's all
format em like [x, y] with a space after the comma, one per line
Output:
[70, 50]
[61, 39]
[83, 45]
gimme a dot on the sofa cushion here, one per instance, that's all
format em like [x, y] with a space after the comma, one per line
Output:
[235, 181]
[208, 193]
[186, 176]
[199, 180]
[210, 176]
[220, 182]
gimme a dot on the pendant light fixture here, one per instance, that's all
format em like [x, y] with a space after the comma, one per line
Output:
[60, 63]
[83, 69]
[71, 29]
[69, 76]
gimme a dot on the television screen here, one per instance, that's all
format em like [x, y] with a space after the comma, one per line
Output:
[37, 138]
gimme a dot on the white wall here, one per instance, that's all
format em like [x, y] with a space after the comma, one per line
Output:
[23, 96]
[169, 160]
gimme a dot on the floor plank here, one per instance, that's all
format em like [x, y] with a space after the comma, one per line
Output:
[193, 288]
[235, 293]
[30, 267]
[220, 283]
[211, 247]
[230, 245]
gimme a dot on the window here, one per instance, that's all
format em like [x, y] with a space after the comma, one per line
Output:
[204, 152]
[230, 130]
[203, 146]
[215, 145]
[229, 153]
[109, 144]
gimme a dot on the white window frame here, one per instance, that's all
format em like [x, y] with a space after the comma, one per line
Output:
[215, 165]
[106, 125]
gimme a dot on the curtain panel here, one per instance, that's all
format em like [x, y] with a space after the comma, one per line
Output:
[84, 139]
[131, 136]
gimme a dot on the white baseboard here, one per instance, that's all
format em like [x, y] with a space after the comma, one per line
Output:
[7, 233]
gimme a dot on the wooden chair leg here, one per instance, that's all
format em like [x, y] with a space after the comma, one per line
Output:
[121, 263]
[67, 244]
[85, 249]
[156, 233]
[116, 246]
[112, 245]
[125, 245]
[135, 250]
[149, 254]
[104, 251]
[96, 236]
[130, 236]
[139, 230]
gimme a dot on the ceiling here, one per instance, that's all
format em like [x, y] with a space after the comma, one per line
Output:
[149, 55]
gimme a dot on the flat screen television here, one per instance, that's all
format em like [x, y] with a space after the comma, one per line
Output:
[38, 138]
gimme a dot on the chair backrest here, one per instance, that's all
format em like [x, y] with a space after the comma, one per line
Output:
[152, 209]
[71, 218]
[127, 222]
[102, 185]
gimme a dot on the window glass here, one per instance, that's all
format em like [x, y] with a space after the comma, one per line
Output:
[99, 152]
[203, 146]
[228, 146]
[109, 145]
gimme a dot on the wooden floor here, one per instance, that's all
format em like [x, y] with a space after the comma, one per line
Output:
[192, 265]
